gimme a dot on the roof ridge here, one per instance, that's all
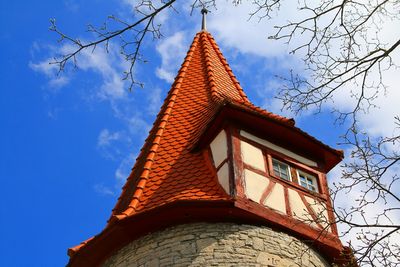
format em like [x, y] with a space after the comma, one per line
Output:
[162, 118]
[227, 68]
[210, 71]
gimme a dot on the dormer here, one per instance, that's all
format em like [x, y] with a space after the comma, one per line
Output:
[273, 169]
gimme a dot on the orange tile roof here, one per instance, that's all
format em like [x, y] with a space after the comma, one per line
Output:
[166, 169]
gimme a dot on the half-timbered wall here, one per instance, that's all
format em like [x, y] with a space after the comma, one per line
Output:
[262, 184]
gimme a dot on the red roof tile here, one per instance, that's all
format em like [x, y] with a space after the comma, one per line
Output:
[166, 169]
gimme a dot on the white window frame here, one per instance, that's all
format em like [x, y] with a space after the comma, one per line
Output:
[310, 177]
[283, 163]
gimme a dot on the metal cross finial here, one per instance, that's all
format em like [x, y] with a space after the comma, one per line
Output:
[204, 12]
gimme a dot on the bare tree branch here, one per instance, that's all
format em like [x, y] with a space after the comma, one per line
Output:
[130, 45]
[372, 176]
[332, 25]
[342, 52]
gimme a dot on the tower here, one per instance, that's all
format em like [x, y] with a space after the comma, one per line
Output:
[220, 182]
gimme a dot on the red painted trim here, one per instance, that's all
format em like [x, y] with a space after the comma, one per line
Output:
[324, 184]
[329, 207]
[251, 168]
[237, 163]
[265, 157]
[287, 202]
[270, 167]
[267, 191]
[232, 187]
[293, 173]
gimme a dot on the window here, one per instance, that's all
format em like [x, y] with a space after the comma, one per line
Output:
[307, 181]
[281, 169]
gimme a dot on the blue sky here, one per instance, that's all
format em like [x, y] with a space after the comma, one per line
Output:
[68, 142]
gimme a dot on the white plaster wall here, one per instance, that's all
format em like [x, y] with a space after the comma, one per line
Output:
[252, 155]
[255, 185]
[223, 177]
[298, 208]
[219, 148]
[276, 199]
[279, 149]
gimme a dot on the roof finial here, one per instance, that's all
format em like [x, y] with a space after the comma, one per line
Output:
[204, 12]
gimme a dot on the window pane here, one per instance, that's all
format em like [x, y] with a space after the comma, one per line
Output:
[275, 165]
[281, 169]
[307, 181]
[276, 168]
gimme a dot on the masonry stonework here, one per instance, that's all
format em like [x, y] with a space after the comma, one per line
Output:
[217, 244]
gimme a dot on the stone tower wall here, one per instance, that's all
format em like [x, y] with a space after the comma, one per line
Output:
[217, 244]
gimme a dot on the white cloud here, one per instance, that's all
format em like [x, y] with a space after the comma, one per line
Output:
[172, 51]
[231, 27]
[271, 103]
[71, 5]
[124, 169]
[56, 80]
[163, 74]
[155, 101]
[121, 174]
[109, 66]
[114, 145]
[106, 137]
[379, 120]
[138, 125]
[103, 190]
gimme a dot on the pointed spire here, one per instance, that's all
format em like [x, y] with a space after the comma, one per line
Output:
[204, 12]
